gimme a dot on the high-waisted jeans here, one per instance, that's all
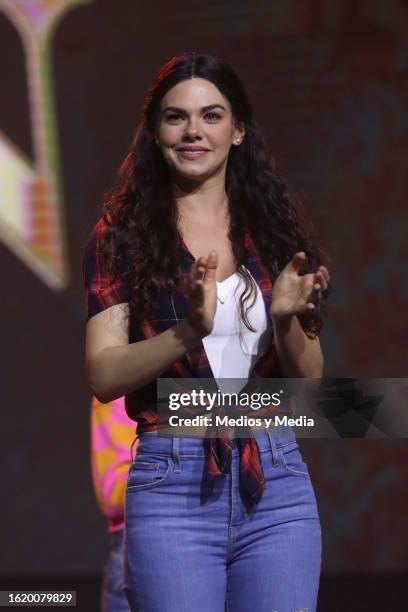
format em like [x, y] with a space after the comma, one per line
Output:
[192, 543]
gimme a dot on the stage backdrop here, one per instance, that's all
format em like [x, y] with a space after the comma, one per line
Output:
[328, 82]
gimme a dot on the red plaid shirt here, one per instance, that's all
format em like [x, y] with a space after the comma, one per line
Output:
[101, 293]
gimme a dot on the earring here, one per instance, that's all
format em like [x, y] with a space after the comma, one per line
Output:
[238, 141]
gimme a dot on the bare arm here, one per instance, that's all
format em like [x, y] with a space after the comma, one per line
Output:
[115, 367]
[299, 355]
[292, 294]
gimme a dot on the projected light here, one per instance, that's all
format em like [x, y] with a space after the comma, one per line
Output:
[32, 221]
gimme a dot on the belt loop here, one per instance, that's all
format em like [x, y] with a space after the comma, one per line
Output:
[176, 454]
[275, 452]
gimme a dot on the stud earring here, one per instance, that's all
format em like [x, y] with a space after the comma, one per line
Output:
[238, 141]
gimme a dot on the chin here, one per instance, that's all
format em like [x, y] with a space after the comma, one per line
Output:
[193, 174]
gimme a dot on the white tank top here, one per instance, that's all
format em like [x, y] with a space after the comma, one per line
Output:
[232, 349]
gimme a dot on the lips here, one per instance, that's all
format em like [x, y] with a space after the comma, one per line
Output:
[191, 153]
[192, 149]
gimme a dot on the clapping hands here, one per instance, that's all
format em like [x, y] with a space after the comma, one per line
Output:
[295, 294]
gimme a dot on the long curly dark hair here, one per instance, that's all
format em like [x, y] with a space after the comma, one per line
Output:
[141, 214]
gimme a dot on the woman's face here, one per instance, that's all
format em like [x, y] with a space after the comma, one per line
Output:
[195, 129]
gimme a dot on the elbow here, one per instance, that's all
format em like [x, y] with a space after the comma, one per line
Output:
[317, 374]
[103, 392]
[100, 384]
[102, 395]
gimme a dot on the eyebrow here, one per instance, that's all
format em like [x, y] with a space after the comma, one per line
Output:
[203, 109]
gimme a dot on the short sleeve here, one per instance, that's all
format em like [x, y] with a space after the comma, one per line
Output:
[101, 291]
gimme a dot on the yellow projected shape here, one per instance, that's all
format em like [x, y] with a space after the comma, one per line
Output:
[32, 222]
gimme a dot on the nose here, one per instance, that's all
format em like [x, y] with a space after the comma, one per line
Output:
[192, 129]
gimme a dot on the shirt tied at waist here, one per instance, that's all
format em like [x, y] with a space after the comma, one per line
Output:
[219, 458]
[252, 480]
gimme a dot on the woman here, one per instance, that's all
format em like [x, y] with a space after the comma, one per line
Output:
[202, 266]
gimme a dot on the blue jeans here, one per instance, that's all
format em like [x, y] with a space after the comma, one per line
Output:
[113, 596]
[192, 544]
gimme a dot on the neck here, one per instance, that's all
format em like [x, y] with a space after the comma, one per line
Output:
[206, 200]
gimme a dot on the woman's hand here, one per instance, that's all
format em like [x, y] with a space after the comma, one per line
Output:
[202, 294]
[294, 294]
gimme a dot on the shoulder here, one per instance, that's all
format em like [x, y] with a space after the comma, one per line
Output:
[101, 228]
[104, 235]
[104, 286]
[94, 238]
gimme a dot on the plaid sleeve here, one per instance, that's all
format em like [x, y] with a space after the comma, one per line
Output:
[101, 291]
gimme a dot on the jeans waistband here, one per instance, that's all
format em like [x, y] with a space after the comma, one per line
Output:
[153, 441]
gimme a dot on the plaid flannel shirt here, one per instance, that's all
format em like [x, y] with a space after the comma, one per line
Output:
[101, 293]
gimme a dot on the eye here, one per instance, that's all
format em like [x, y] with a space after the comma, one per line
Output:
[210, 116]
[173, 117]
[213, 116]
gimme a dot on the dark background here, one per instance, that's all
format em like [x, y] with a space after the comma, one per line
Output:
[328, 82]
